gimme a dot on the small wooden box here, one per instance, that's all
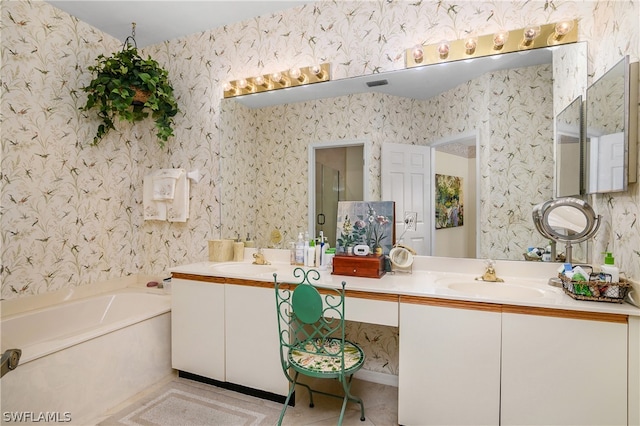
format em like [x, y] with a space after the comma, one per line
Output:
[370, 266]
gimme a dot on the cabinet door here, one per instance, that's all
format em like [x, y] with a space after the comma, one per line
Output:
[197, 328]
[563, 371]
[253, 348]
[449, 371]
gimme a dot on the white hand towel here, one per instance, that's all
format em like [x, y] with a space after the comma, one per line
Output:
[153, 210]
[178, 208]
[164, 183]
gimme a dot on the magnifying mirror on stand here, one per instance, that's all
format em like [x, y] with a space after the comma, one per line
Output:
[566, 220]
[401, 256]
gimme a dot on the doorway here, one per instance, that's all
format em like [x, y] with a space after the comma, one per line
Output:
[338, 175]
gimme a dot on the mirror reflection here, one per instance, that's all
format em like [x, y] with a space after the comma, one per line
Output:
[568, 157]
[509, 111]
[607, 131]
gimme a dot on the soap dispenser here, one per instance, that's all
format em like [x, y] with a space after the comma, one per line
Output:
[609, 268]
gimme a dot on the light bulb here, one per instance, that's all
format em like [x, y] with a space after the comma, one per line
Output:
[443, 49]
[259, 80]
[227, 87]
[531, 32]
[418, 53]
[276, 77]
[242, 83]
[470, 44]
[500, 39]
[294, 73]
[563, 28]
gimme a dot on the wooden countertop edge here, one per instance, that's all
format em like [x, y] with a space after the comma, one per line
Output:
[430, 301]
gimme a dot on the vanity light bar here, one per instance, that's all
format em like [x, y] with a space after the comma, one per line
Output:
[531, 37]
[278, 80]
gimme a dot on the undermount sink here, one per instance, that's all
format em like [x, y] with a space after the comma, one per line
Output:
[248, 269]
[495, 289]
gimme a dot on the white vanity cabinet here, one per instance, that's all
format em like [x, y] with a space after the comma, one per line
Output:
[197, 328]
[563, 371]
[449, 372]
[252, 345]
[473, 363]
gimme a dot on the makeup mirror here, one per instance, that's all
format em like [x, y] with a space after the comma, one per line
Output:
[566, 220]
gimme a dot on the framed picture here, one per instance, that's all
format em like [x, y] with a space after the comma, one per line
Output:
[449, 202]
[370, 223]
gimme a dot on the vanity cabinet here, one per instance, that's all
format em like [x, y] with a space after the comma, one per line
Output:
[563, 371]
[197, 328]
[449, 366]
[228, 333]
[252, 345]
[473, 363]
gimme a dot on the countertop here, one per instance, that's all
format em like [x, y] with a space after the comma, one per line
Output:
[525, 283]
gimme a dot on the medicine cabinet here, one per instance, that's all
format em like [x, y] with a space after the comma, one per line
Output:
[611, 130]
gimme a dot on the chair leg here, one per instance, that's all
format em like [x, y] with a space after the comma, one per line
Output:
[292, 387]
[346, 385]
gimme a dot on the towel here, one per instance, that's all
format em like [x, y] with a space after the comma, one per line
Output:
[153, 210]
[173, 209]
[164, 183]
[178, 207]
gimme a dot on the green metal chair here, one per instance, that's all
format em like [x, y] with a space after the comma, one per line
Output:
[312, 341]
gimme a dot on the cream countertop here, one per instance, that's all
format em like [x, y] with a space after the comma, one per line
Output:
[431, 277]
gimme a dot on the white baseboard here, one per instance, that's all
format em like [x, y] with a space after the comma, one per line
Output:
[376, 377]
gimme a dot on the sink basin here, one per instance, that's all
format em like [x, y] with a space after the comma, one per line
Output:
[248, 269]
[497, 290]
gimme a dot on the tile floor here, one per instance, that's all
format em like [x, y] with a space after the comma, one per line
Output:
[380, 402]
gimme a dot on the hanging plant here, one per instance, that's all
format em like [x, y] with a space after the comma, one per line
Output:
[127, 87]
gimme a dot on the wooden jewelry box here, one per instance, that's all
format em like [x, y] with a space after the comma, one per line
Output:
[369, 266]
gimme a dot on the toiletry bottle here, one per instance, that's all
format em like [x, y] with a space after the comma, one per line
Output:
[300, 250]
[249, 242]
[311, 254]
[609, 268]
[305, 254]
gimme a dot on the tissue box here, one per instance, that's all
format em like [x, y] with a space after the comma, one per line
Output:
[370, 266]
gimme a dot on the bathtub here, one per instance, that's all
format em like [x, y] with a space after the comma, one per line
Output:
[81, 358]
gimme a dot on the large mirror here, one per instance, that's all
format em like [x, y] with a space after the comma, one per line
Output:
[611, 130]
[506, 103]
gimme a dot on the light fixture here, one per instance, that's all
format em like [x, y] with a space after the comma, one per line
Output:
[501, 41]
[277, 80]
[443, 49]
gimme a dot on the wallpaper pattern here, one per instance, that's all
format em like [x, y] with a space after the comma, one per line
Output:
[72, 215]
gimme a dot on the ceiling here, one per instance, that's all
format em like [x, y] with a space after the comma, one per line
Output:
[158, 21]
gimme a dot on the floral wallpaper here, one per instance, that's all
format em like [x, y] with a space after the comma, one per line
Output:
[71, 214]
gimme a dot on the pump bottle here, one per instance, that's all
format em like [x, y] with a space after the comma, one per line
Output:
[609, 268]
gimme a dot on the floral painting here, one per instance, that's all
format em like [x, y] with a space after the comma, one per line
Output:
[369, 223]
[449, 210]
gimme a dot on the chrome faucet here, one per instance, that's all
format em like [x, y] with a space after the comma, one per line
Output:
[259, 258]
[490, 274]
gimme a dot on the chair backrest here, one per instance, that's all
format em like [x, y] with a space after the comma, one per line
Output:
[310, 317]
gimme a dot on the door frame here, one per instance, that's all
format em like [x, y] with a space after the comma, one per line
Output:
[366, 185]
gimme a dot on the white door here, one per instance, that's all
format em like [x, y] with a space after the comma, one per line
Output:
[406, 179]
[611, 162]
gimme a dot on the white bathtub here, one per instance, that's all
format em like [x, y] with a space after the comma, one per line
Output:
[83, 357]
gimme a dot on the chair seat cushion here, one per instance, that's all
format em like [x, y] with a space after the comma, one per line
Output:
[304, 359]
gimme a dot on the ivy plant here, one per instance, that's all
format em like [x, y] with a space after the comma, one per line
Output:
[115, 81]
